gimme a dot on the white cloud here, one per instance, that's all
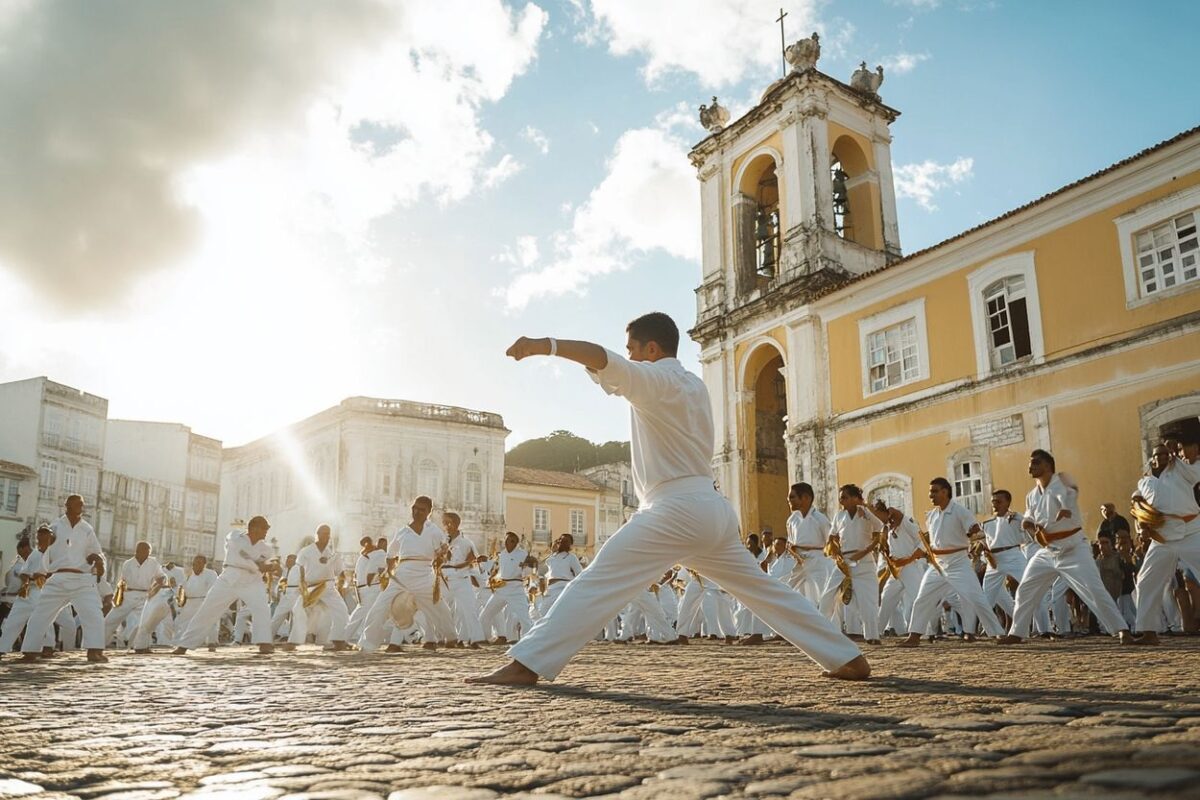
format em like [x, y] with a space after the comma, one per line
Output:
[523, 253]
[901, 63]
[503, 169]
[922, 181]
[647, 202]
[128, 128]
[536, 138]
[719, 41]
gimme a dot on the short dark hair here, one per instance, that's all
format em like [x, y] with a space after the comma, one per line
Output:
[1005, 493]
[944, 484]
[803, 489]
[656, 327]
[1184, 431]
[426, 498]
[24, 542]
[880, 505]
[752, 537]
[851, 490]
[1044, 455]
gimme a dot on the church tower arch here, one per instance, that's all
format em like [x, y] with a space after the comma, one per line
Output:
[763, 425]
[758, 213]
[856, 209]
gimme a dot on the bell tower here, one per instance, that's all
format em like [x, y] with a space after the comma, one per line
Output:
[796, 197]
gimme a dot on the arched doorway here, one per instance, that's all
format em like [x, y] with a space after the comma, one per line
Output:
[764, 445]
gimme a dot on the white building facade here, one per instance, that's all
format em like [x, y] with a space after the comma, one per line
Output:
[358, 466]
[618, 502]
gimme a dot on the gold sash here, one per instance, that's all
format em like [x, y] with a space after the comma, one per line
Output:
[833, 549]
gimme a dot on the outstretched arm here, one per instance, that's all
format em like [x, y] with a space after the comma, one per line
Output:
[590, 355]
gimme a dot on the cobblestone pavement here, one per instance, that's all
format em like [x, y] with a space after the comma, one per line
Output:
[1048, 720]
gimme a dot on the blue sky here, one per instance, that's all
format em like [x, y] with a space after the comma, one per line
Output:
[233, 216]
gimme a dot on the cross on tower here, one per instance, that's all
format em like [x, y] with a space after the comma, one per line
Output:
[782, 43]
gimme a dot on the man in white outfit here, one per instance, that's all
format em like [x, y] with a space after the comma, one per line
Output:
[137, 574]
[157, 610]
[808, 533]
[320, 564]
[1003, 539]
[509, 594]
[368, 569]
[562, 566]
[247, 559]
[411, 554]
[857, 532]
[457, 570]
[196, 585]
[287, 598]
[951, 527]
[1170, 488]
[906, 557]
[1052, 516]
[71, 561]
[680, 516]
[31, 577]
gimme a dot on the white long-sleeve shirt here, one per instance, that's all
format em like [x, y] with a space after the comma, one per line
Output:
[319, 565]
[671, 419]
[1171, 493]
[197, 586]
[1042, 506]
[510, 564]
[138, 577]
[562, 566]
[242, 557]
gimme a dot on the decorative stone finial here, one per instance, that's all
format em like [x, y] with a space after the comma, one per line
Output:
[866, 81]
[804, 53]
[713, 117]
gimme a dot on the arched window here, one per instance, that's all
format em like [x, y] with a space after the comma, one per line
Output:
[856, 212]
[841, 200]
[970, 475]
[891, 488]
[757, 220]
[1007, 321]
[428, 479]
[473, 487]
[766, 223]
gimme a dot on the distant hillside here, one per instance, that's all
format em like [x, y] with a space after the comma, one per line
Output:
[563, 451]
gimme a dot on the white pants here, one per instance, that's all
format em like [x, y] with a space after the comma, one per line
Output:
[1070, 559]
[1157, 572]
[334, 605]
[14, 623]
[510, 597]
[440, 625]
[61, 589]
[820, 581]
[185, 618]
[284, 608]
[461, 595]
[957, 576]
[899, 594]
[865, 598]
[157, 609]
[129, 612]
[233, 584]
[687, 622]
[684, 519]
[366, 598]
[1009, 564]
[657, 627]
[67, 628]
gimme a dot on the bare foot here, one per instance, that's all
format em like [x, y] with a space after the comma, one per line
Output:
[856, 670]
[682, 639]
[27, 658]
[1147, 639]
[473, 646]
[288, 647]
[429, 646]
[266, 649]
[514, 673]
[179, 651]
[341, 646]
[1008, 639]
[142, 651]
[913, 640]
[754, 638]
[97, 657]
[394, 648]
[969, 638]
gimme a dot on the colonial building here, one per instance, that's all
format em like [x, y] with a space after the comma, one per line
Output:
[540, 505]
[177, 474]
[359, 465]
[618, 502]
[1071, 323]
[58, 431]
[18, 502]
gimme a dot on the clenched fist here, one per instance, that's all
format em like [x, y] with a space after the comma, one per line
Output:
[525, 347]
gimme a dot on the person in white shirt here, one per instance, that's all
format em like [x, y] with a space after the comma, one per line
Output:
[1170, 489]
[287, 597]
[156, 614]
[857, 531]
[30, 578]
[904, 555]
[1052, 516]
[411, 555]
[1003, 537]
[808, 533]
[137, 574]
[459, 591]
[510, 594]
[197, 583]
[247, 559]
[680, 515]
[70, 561]
[951, 527]
[320, 565]
[562, 566]
[12, 577]
[368, 569]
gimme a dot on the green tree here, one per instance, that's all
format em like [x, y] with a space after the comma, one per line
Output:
[563, 451]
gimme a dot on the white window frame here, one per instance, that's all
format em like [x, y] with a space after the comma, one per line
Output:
[1147, 216]
[426, 468]
[539, 510]
[1017, 264]
[578, 514]
[982, 455]
[914, 310]
[892, 480]
[473, 488]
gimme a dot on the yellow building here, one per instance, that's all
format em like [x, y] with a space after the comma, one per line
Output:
[540, 505]
[1071, 323]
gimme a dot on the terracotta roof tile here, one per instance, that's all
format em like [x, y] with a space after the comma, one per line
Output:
[13, 468]
[545, 477]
